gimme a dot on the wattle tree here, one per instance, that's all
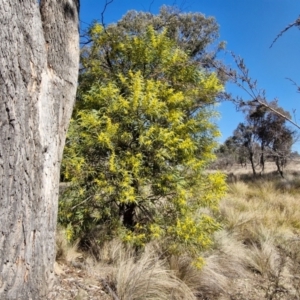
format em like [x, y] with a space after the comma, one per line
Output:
[139, 142]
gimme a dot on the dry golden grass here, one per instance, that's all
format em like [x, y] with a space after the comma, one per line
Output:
[247, 208]
[148, 278]
[134, 276]
[255, 256]
[65, 251]
[264, 215]
[223, 263]
[270, 167]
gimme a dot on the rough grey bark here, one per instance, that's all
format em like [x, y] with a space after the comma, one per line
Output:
[39, 56]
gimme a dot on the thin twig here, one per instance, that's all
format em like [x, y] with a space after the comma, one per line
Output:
[256, 95]
[278, 113]
[150, 5]
[106, 285]
[103, 11]
[294, 83]
[296, 23]
[85, 200]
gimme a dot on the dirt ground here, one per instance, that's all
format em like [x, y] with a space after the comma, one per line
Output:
[76, 281]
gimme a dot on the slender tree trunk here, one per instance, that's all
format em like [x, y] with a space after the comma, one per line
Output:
[262, 158]
[278, 165]
[251, 158]
[39, 56]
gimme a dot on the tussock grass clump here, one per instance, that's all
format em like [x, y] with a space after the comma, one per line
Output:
[264, 216]
[224, 263]
[144, 275]
[66, 252]
[148, 278]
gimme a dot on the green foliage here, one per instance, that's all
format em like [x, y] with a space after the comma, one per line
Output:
[139, 142]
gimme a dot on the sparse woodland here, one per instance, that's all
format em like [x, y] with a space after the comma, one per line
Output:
[145, 214]
[151, 207]
[263, 137]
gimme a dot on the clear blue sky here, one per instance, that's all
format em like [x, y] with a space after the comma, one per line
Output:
[248, 27]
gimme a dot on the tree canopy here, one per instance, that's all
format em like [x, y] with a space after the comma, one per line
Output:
[263, 135]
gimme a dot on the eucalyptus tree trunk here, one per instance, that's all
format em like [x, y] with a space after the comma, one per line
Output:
[39, 58]
[251, 158]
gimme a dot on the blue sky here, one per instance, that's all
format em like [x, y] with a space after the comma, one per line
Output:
[248, 27]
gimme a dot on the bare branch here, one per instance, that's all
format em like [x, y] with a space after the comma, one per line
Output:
[294, 83]
[109, 289]
[107, 2]
[242, 79]
[295, 23]
[278, 113]
[150, 5]
[85, 200]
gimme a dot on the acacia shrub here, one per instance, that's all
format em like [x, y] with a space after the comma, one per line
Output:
[139, 142]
